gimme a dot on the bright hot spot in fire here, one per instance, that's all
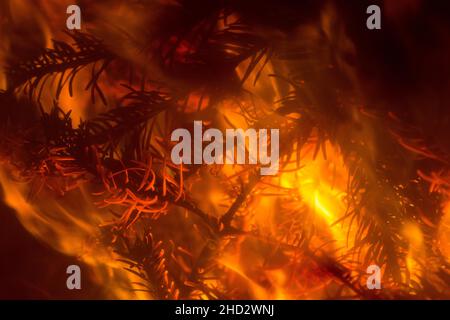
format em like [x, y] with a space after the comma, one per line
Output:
[361, 177]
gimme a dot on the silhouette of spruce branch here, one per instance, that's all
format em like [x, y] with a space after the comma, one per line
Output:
[52, 148]
[146, 259]
[63, 61]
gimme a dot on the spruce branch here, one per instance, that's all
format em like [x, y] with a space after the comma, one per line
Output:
[63, 61]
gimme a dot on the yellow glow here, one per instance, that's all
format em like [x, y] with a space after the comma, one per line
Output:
[321, 207]
[233, 265]
[322, 185]
[416, 251]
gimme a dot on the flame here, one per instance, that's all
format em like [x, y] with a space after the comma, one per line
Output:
[70, 225]
[416, 251]
[230, 263]
[322, 185]
[444, 231]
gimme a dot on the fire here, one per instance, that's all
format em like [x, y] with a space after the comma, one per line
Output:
[416, 253]
[69, 226]
[444, 232]
[95, 180]
[321, 184]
